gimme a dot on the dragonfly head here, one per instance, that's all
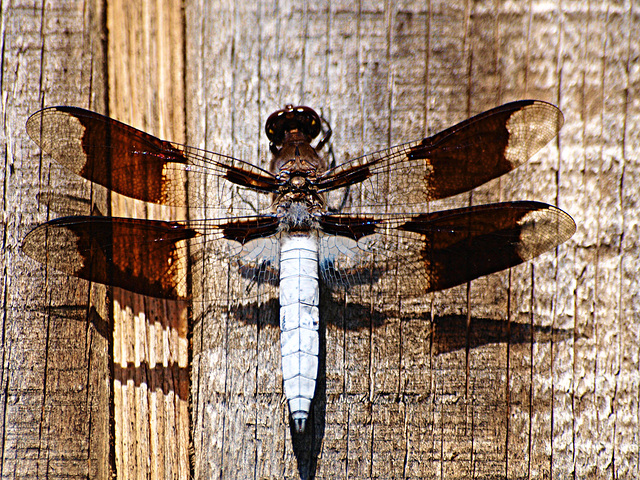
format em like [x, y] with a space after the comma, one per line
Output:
[290, 118]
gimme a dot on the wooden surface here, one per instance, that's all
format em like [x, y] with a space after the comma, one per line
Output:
[106, 388]
[530, 373]
[55, 384]
[150, 349]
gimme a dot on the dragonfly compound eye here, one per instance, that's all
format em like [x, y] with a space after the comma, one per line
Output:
[290, 118]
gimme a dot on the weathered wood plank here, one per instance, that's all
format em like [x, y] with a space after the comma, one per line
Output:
[55, 393]
[531, 372]
[151, 357]
[499, 377]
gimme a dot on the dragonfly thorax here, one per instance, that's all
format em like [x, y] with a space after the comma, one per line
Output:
[297, 216]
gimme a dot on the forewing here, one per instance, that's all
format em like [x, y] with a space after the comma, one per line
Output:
[141, 166]
[453, 161]
[151, 257]
[408, 255]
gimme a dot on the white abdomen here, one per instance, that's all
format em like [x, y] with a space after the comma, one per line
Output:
[299, 320]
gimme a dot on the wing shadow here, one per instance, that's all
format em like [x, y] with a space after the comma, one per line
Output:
[448, 333]
[168, 379]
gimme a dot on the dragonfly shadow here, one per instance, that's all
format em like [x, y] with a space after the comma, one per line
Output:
[448, 333]
[78, 313]
[66, 205]
[350, 317]
[451, 332]
[167, 379]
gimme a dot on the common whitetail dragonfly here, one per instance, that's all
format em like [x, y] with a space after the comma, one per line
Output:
[279, 226]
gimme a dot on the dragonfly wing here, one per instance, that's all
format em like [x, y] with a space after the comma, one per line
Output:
[453, 161]
[151, 257]
[408, 255]
[136, 164]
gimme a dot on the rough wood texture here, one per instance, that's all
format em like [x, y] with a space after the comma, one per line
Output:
[61, 415]
[527, 373]
[151, 357]
[531, 373]
[55, 388]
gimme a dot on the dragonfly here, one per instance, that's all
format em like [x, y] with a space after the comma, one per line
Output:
[304, 223]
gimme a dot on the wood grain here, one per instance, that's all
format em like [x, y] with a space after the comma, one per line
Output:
[151, 351]
[529, 373]
[55, 330]
[480, 380]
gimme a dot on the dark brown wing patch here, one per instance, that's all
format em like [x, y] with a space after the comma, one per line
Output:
[486, 146]
[453, 161]
[464, 244]
[242, 230]
[408, 255]
[350, 226]
[131, 162]
[105, 151]
[138, 255]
